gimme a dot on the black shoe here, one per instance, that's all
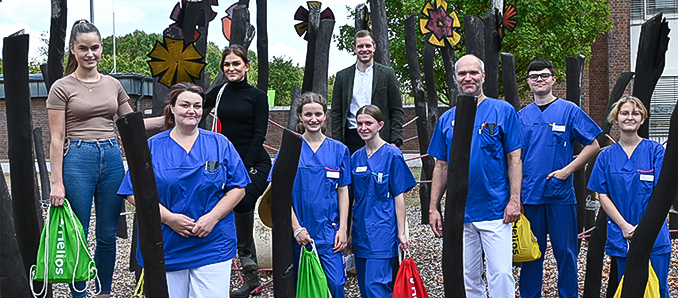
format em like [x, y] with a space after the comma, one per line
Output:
[251, 283]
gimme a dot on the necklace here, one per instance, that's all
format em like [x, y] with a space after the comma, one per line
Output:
[369, 154]
[83, 83]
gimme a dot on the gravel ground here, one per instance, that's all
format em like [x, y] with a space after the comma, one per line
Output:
[426, 251]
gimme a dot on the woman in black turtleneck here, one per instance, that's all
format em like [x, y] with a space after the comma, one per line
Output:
[243, 113]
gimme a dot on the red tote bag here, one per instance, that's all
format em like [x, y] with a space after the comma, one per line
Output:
[408, 283]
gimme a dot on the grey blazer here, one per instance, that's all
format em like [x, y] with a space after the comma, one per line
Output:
[385, 95]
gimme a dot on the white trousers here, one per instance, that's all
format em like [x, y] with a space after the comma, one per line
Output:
[494, 238]
[209, 281]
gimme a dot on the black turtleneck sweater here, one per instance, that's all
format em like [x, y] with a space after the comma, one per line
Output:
[243, 112]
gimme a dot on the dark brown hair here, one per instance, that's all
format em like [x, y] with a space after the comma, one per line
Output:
[307, 98]
[236, 49]
[176, 90]
[79, 27]
[371, 110]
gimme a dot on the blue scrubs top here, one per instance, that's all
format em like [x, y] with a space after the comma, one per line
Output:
[496, 133]
[314, 194]
[186, 185]
[629, 183]
[548, 142]
[375, 226]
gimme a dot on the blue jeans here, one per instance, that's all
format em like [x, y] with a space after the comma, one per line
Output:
[94, 169]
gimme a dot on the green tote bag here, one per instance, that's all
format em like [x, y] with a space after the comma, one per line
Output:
[63, 255]
[311, 279]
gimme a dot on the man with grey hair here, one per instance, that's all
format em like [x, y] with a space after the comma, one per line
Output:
[364, 83]
[495, 172]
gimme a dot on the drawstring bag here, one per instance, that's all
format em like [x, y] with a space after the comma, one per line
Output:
[216, 124]
[63, 255]
[525, 246]
[311, 279]
[652, 287]
[408, 282]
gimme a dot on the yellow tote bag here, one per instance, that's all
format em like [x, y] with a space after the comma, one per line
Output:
[652, 288]
[525, 246]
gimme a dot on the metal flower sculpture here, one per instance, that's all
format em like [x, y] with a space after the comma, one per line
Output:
[507, 21]
[438, 26]
[173, 61]
[177, 16]
[302, 15]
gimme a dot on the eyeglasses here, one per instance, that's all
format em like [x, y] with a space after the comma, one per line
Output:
[544, 76]
[634, 113]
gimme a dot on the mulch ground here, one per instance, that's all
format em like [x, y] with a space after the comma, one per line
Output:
[426, 251]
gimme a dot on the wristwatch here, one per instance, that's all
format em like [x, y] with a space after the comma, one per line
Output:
[253, 171]
[398, 143]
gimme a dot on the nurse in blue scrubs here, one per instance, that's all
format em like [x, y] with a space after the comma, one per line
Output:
[320, 193]
[624, 177]
[380, 178]
[200, 178]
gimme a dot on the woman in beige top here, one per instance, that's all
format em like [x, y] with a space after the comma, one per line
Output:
[85, 157]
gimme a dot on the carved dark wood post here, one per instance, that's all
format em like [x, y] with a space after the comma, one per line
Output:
[492, 47]
[475, 36]
[575, 69]
[311, 37]
[20, 144]
[382, 53]
[262, 45]
[283, 173]
[650, 62]
[361, 17]
[13, 279]
[322, 57]
[508, 74]
[423, 127]
[449, 59]
[292, 119]
[133, 135]
[457, 192]
[653, 218]
[45, 185]
[431, 91]
[57, 37]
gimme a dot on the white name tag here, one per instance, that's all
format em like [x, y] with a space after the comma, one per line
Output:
[559, 128]
[452, 122]
[361, 169]
[334, 175]
[648, 178]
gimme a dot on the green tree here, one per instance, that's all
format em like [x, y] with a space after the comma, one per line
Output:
[284, 75]
[253, 73]
[131, 52]
[550, 29]
[1, 66]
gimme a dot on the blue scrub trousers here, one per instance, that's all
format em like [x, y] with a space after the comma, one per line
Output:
[560, 222]
[94, 169]
[375, 277]
[334, 268]
[660, 265]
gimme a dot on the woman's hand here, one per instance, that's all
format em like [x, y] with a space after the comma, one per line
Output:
[627, 231]
[340, 240]
[57, 194]
[181, 224]
[404, 243]
[204, 225]
[303, 238]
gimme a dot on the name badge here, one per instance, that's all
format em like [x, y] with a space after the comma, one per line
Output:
[452, 122]
[334, 175]
[558, 128]
[361, 169]
[648, 178]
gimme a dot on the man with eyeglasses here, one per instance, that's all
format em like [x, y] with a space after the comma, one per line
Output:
[493, 200]
[549, 127]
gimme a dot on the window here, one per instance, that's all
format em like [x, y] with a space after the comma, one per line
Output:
[642, 10]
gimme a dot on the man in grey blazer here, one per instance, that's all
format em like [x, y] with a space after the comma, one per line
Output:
[372, 83]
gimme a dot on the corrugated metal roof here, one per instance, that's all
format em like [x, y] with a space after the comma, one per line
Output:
[134, 84]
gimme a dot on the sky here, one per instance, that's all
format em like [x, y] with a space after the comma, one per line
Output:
[152, 16]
